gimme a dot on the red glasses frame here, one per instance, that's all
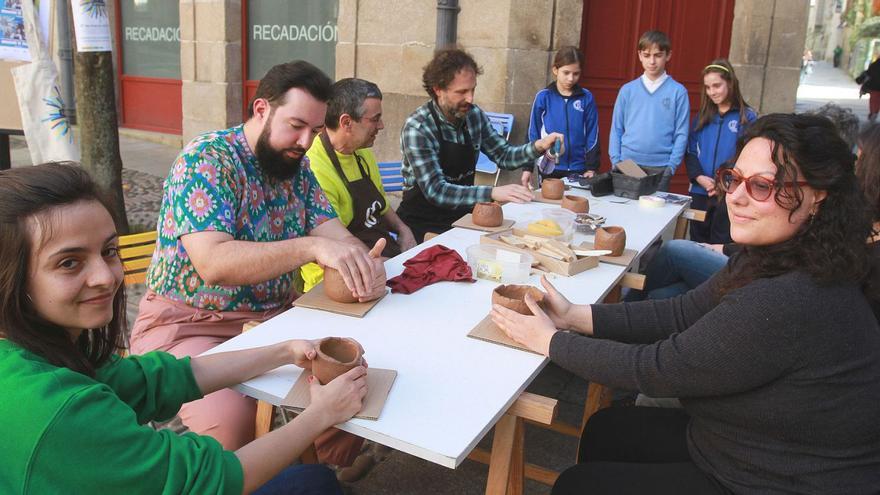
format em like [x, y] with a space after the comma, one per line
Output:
[758, 187]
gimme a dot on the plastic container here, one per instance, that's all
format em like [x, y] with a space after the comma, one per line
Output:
[565, 219]
[499, 265]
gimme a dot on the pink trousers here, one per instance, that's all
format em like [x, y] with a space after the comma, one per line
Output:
[226, 415]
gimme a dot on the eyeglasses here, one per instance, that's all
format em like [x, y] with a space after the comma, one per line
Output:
[758, 187]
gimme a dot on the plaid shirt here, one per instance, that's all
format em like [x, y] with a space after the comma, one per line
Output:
[420, 145]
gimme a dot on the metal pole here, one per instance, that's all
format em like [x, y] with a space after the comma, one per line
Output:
[447, 23]
[65, 59]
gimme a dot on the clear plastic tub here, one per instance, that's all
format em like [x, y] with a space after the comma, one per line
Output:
[565, 219]
[499, 265]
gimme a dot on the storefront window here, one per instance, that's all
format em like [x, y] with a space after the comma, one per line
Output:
[150, 38]
[284, 30]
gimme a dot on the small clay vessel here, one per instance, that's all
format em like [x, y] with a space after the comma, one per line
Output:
[552, 188]
[335, 288]
[335, 356]
[488, 214]
[513, 297]
[613, 238]
[577, 204]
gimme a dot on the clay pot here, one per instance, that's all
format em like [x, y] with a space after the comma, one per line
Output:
[336, 356]
[335, 288]
[613, 238]
[552, 188]
[513, 297]
[577, 204]
[488, 214]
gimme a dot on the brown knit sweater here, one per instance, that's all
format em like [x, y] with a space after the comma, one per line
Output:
[781, 379]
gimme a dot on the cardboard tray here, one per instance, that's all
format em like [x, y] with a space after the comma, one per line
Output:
[316, 299]
[467, 222]
[552, 264]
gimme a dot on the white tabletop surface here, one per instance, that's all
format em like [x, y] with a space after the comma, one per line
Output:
[450, 389]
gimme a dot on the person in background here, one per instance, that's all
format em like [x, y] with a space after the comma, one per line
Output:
[567, 108]
[440, 143]
[347, 172]
[74, 411]
[776, 359]
[650, 121]
[712, 141]
[871, 85]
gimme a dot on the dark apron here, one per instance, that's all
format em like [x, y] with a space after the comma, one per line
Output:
[367, 205]
[458, 163]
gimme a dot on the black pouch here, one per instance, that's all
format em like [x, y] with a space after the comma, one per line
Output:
[602, 184]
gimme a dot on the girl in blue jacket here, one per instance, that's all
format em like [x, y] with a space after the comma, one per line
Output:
[569, 109]
[712, 141]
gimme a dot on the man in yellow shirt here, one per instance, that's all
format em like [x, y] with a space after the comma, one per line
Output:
[347, 171]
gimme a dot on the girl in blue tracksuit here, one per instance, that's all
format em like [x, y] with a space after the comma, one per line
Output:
[712, 141]
[569, 109]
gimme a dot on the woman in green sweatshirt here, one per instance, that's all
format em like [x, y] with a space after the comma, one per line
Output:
[73, 411]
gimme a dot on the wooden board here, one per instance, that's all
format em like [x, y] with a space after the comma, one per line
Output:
[379, 382]
[467, 222]
[487, 330]
[623, 260]
[316, 299]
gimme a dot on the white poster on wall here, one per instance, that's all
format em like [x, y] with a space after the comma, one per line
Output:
[13, 42]
[92, 25]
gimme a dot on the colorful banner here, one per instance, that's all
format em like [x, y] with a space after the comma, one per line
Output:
[13, 42]
[92, 25]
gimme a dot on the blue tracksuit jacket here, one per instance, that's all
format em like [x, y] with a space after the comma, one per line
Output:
[714, 144]
[576, 118]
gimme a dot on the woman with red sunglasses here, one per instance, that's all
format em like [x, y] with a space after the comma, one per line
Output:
[776, 359]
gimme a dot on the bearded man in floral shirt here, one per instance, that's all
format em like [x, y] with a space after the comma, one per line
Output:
[241, 212]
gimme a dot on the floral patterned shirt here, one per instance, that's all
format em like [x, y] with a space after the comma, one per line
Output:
[216, 184]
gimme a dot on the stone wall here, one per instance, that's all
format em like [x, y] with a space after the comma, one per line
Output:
[210, 65]
[513, 40]
[766, 49]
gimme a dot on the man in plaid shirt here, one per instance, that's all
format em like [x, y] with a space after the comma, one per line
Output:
[440, 143]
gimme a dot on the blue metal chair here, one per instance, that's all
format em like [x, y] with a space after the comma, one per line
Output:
[392, 180]
[502, 123]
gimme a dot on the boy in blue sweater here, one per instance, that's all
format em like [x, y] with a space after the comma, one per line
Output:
[650, 121]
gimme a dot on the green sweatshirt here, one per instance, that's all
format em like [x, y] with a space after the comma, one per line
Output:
[64, 432]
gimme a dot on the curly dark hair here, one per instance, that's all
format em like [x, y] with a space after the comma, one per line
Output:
[35, 192]
[441, 70]
[281, 78]
[830, 247]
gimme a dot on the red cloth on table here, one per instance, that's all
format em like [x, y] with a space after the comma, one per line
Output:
[435, 264]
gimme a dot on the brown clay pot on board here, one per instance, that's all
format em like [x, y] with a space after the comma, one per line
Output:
[335, 288]
[513, 297]
[613, 238]
[487, 214]
[552, 188]
[577, 204]
[335, 356]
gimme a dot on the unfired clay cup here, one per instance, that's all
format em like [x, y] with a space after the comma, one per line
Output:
[613, 238]
[335, 288]
[336, 356]
[577, 204]
[552, 188]
[513, 297]
[487, 214]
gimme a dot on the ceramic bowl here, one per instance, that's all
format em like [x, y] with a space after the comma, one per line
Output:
[335, 288]
[552, 188]
[613, 238]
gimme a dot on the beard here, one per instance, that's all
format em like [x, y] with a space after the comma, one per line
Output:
[274, 162]
[459, 111]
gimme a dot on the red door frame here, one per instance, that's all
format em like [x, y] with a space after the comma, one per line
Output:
[147, 103]
[699, 31]
[248, 87]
